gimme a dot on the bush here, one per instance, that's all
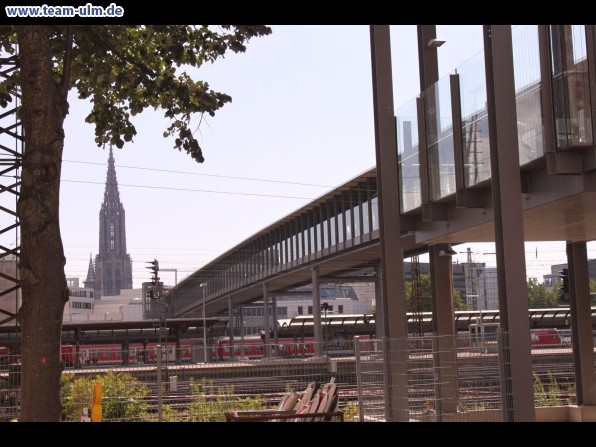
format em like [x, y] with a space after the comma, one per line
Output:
[123, 397]
[210, 403]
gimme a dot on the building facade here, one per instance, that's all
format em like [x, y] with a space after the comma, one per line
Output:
[81, 301]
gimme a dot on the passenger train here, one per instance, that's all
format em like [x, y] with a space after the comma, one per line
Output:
[112, 354]
[296, 340]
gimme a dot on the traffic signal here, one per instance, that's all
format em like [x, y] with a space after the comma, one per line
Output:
[155, 269]
[564, 296]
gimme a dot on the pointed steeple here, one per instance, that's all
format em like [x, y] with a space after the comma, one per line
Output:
[90, 281]
[111, 197]
[113, 266]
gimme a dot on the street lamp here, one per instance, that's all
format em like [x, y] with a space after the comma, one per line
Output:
[202, 288]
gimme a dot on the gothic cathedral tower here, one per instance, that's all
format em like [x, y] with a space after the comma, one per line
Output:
[113, 266]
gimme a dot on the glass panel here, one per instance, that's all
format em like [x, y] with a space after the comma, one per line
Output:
[340, 227]
[375, 212]
[333, 231]
[305, 241]
[476, 146]
[319, 236]
[439, 137]
[325, 231]
[311, 246]
[285, 251]
[406, 122]
[348, 220]
[365, 222]
[571, 86]
[357, 220]
[526, 65]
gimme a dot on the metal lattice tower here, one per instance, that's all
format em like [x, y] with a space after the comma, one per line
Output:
[11, 156]
[417, 297]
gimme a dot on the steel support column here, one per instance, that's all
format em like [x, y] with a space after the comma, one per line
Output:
[316, 312]
[444, 346]
[380, 329]
[581, 323]
[393, 298]
[267, 338]
[517, 393]
[274, 319]
[231, 323]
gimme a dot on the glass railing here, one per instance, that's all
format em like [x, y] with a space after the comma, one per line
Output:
[571, 103]
[406, 121]
[439, 139]
[526, 66]
[571, 86]
[476, 145]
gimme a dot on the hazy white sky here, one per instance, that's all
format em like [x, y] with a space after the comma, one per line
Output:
[300, 124]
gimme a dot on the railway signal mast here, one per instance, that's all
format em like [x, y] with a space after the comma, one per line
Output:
[155, 293]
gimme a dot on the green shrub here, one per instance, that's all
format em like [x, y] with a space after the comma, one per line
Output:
[123, 396]
[209, 403]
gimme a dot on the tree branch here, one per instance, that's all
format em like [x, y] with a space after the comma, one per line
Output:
[103, 44]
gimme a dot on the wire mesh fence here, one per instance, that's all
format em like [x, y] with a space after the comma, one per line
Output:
[456, 379]
[427, 378]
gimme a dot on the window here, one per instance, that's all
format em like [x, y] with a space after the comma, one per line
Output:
[340, 309]
[300, 310]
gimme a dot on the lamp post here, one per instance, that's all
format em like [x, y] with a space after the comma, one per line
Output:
[202, 288]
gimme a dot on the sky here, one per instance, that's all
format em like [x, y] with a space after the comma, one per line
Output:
[299, 125]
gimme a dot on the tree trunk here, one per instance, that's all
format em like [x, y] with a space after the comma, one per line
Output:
[41, 265]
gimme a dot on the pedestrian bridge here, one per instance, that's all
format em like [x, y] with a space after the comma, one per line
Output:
[445, 191]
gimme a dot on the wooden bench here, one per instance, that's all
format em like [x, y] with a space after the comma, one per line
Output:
[315, 404]
[282, 416]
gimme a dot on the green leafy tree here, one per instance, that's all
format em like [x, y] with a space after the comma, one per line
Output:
[122, 70]
[458, 301]
[539, 296]
[558, 290]
[425, 295]
[122, 397]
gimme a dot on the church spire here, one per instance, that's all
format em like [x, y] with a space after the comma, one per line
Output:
[111, 196]
[113, 266]
[90, 281]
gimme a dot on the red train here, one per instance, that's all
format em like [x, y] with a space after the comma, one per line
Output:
[480, 334]
[253, 347]
[113, 354]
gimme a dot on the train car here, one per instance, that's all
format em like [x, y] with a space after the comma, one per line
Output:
[545, 338]
[482, 333]
[113, 354]
[253, 347]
